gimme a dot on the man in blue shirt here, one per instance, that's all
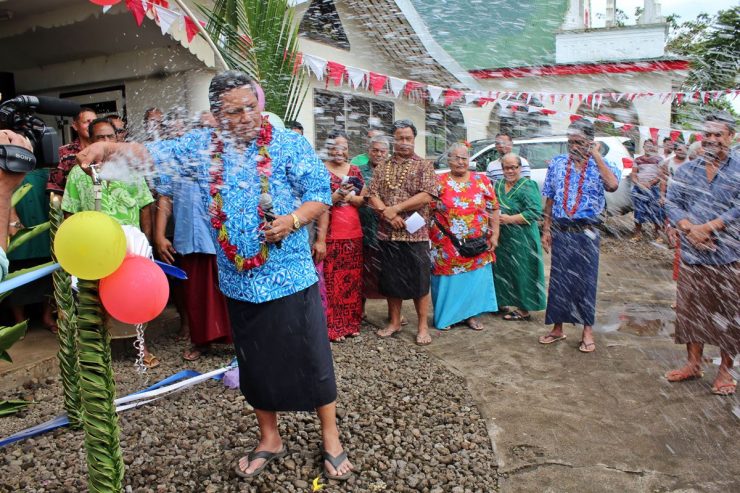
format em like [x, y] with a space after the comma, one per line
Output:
[264, 262]
[703, 203]
[574, 192]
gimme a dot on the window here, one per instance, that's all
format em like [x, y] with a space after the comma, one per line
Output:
[321, 23]
[353, 114]
[445, 126]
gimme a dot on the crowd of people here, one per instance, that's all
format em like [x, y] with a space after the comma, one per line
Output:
[282, 250]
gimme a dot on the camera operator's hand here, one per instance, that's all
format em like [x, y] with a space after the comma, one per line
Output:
[8, 137]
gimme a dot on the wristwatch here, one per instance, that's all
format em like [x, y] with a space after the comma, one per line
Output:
[297, 224]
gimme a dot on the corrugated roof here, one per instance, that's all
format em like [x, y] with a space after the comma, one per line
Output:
[484, 34]
[392, 34]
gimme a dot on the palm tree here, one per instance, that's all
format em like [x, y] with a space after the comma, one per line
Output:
[260, 37]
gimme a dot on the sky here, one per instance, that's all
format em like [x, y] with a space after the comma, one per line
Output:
[687, 9]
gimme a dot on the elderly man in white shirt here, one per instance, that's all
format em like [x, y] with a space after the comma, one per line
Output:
[504, 145]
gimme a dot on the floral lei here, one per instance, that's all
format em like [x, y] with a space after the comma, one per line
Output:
[219, 217]
[579, 193]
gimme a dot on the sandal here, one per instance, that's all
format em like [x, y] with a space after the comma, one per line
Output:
[584, 347]
[192, 354]
[474, 324]
[387, 334]
[725, 389]
[423, 341]
[683, 374]
[516, 316]
[151, 361]
[549, 339]
[262, 454]
[335, 462]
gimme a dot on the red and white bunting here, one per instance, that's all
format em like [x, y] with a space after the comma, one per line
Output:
[356, 77]
[315, 64]
[166, 18]
[397, 85]
[434, 93]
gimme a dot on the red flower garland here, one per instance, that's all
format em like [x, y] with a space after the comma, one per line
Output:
[219, 217]
[579, 194]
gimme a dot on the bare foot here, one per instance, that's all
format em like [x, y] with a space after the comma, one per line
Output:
[688, 372]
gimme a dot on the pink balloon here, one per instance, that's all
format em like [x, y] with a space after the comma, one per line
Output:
[135, 293]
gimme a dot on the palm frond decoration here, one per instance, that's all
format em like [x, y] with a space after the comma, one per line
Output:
[98, 392]
[68, 355]
[260, 37]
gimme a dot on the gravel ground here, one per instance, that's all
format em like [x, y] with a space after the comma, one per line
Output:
[408, 423]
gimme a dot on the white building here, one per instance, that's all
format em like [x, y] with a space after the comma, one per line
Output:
[70, 49]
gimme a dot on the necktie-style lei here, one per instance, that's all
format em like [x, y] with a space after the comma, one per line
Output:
[218, 215]
[579, 193]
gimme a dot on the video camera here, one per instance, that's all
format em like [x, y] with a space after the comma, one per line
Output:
[17, 115]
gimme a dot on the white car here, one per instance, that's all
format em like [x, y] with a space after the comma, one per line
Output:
[541, 150]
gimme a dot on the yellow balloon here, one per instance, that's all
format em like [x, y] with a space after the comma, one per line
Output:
[90, 245]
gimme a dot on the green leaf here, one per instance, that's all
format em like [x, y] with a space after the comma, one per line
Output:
[13, 406]
[9, 336]
[26, 234]
[19, 193]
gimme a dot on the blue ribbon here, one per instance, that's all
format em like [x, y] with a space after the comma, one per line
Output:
[62, 420]
[27, 277]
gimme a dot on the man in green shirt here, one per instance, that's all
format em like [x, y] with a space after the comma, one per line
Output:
[126, 202]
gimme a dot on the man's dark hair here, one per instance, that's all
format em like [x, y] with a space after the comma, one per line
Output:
[722, 117]
[399, 124]
[115, 116]
[337, 132]
[98, 121]
[503, 134]
[667, 139]
[583, 126]
[649, 140]
[294, 124]
[84, 109]
[225, 82]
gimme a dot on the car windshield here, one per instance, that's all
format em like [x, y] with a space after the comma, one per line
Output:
[539, 154]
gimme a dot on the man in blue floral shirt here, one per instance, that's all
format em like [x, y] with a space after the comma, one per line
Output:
[574, 191]
[252, 174]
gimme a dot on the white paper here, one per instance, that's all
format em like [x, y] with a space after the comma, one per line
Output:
[414, 223]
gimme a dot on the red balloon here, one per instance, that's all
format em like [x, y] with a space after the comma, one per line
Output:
[135, 293]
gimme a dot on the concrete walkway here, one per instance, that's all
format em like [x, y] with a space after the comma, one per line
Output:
[562, 421]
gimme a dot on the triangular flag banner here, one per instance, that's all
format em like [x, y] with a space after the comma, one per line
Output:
[654, 134]
[679, 98]
[675, 134]
[191, 28]
[617, 125]
[575, 118]
[166, 18]
[484, 101]
[470, 97]
[297, 62]
[627, 127]
[136, 8]
[434, 93]
[570, 101]
[334, 72]
[397, 85]
[533, 109]
[105, 3]
[377, 82]
[316, 65]
[452, 95]
[547, 112]
[412, 86]
[107, 8]
[356, 76]
[686, 136]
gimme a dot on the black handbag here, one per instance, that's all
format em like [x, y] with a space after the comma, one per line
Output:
[469, 247]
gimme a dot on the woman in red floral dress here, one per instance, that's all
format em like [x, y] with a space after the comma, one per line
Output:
[343, 262]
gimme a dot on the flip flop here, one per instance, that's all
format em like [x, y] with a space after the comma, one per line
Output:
[543, 339]
[262, 454]
[335, 462]
[420, 342]
[192, 354]
[151, 361]
[682, 375]
[475, 325]
[584, 347]
[516, 317]
[725, 389]
[389, 335]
